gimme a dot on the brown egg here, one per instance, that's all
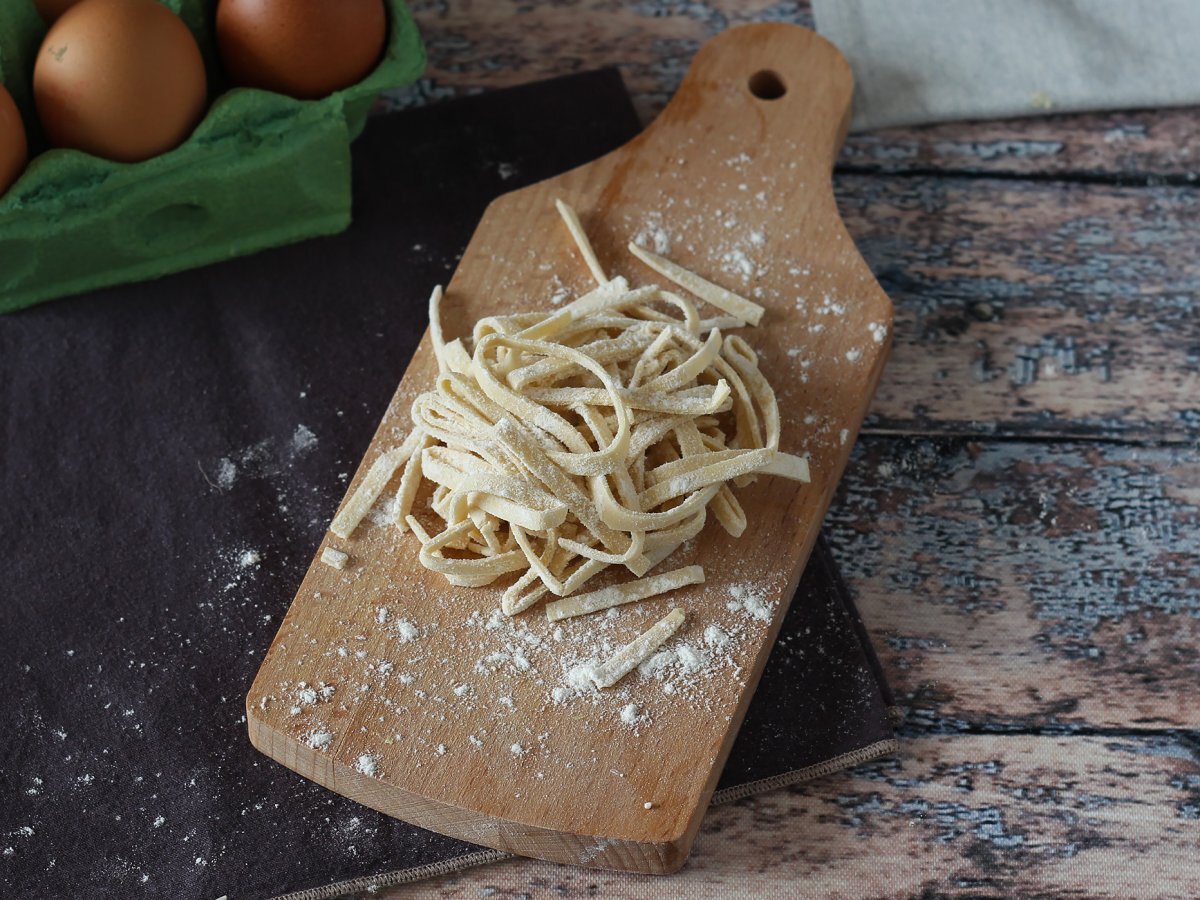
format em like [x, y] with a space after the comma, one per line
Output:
[50, 10]
[121, 79]
[14, 152]
[303, 48]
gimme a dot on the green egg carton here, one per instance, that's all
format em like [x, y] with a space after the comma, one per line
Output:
[260, 170]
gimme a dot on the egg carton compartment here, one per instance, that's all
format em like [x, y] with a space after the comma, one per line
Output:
[260, 170]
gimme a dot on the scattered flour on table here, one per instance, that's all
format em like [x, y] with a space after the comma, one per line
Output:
[303, 440]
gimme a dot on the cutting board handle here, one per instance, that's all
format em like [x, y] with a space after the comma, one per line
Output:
[767, 83]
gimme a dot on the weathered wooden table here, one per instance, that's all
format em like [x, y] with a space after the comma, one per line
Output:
[1020, 522]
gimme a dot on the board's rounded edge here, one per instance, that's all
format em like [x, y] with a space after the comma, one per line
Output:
[649, 857]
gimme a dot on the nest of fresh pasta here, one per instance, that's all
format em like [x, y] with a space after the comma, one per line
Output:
[603, 433]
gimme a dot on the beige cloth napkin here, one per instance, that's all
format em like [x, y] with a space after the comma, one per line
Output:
[921, 61]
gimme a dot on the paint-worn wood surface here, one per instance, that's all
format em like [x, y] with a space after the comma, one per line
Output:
[479, 44]
[970, 816]
[735, 177]
[1020, 522]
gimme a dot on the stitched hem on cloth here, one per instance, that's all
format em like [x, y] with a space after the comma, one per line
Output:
[481, 857]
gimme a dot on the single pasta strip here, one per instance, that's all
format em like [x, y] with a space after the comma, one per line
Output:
[703, 476]
[629, 592]
[696, 401]
[713, 294]
[667, 542]
[435, 327]
[729, 512]
[581, 241]
[456, 357]
[785, 465]
[334, 558]
[725, 323]
[609, 296]
[539, 563]
[410, 480]
[522, 594]
[636, 543]
[548, 327]
[638, 650]
[615, 515]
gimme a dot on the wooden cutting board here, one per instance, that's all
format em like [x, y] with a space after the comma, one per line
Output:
[412, 697]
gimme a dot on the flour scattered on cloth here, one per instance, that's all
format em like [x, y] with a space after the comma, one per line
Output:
[227, 473]
[303, 441]
[270, 459]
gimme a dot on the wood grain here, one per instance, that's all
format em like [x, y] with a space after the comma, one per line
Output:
[479, 45]
[963, 816]
[1025, 308]
[1146, 147]
[1068, 573]
[717, 155]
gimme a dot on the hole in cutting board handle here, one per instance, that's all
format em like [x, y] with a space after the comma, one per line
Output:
[766, 84]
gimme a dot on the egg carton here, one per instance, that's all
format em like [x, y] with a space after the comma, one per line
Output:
[260, 170]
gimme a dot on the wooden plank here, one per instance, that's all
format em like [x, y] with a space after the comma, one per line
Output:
[1139, 146]
[1014, 585]
[726, 174]
[475, 46]
[965, 815]
[1029, 309]
[494, 43]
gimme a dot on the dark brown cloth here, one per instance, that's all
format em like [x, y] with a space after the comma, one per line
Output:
[172, 453]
